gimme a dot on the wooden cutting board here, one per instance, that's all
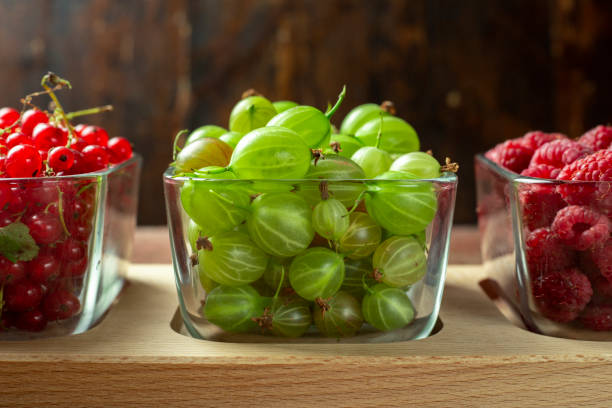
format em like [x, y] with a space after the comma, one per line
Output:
[135, 357]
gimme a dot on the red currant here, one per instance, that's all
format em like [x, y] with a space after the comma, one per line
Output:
[72, 250]
[96, 157]
[33, 320]
[46, 136]
[5, 195]
[30, 119]
[10, 272]
[120, 150]
[45, 228]
[60, 305]
[78, 129]
[95, 135]
[8, 116]
[60, 158]
[22, 296]
[17, 138]
[18, 202]
[23, 161]
[6, 219]
[75, 269]
[44, 269]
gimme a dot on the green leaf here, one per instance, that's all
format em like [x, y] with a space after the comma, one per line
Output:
[16, 243]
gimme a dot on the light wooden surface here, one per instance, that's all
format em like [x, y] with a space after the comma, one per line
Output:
[134, 357]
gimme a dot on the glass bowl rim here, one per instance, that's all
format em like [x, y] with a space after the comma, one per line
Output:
[446, 177]
[518, 178]
[134, 159]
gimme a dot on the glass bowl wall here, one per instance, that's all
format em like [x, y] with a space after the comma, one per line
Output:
[193, 278]
[83, 229]
[510, 208]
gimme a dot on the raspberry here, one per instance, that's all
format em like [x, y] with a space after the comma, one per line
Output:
[602, 289]
[558, 153]
[537, 138]
[595, 167]
[546, 254]
[561, 296]
[514, 156]
[581, 227]
[539, 203]
[597, 317]
[543, 171]
[598, 138]
[602, 258]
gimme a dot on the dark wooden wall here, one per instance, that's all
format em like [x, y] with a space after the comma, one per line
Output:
[467, 74]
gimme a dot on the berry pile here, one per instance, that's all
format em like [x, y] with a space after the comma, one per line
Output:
[292, 223]
[46, 221]
[568, 223]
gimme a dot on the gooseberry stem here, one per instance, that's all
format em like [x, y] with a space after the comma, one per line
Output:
[90, 111]
[379, 135]
[365, 285]
[357, 201]
[334, 108]
[280, 283]
[56, 80]
[175, 147]
[449, 166]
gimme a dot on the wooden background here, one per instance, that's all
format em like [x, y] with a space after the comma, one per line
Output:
[466, 74]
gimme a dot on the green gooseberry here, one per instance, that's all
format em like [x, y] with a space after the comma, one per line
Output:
[400, 261]
[234, 308]
[316, 273]
[282, 106]
[330, 219]
[421, 164]
[358, 116]
[232, 259]
[289, 317]
[251, 113]
[276, 270]
[356, 271]
[387, 308]
[281, 224]
[333, 167]
[201, 153]
[308, 122]
[338, 316]
[271, 153]
[361, 238]
[212, 131]
[372, 160]
[343, 145]
[402, 208]
[397, 136]
[213, 208]
[231, 138]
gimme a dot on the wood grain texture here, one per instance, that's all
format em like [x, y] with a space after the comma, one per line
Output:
[466, 74]
[134, 358]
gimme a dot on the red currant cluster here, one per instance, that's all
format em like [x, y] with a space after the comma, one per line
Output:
[46, 223]
[43, 284]
[36, 147]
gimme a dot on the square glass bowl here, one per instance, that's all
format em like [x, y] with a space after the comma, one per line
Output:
[256, 238]
[69, 240]
[555, 286]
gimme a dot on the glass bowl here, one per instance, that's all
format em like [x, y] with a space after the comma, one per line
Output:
[67, 243]
[287, 290]
[541, 271]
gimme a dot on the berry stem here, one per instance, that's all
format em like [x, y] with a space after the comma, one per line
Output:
[449, 166]
[379, 135]
[280, 283]
[55, 80]
[365, 285]
[90, 111]
[357, 201]
[60, 207]
[175, 147]
[334, 108]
